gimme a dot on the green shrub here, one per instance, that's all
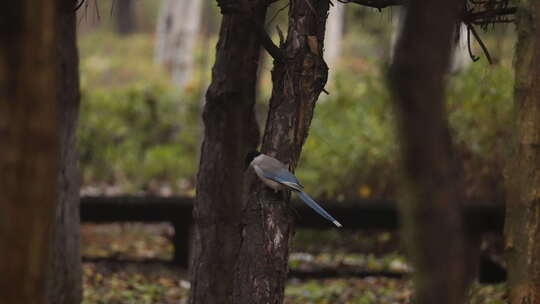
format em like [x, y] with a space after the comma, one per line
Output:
[133, 135]
[351, 139]
[480, 103]
[135, 127]
[352, 149]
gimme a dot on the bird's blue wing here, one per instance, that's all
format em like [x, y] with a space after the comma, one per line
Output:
[283, 176]
[310, 202]
[275, 170]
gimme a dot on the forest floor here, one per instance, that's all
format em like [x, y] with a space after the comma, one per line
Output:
[144, 276]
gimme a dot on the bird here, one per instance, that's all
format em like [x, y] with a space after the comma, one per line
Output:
[275, 175]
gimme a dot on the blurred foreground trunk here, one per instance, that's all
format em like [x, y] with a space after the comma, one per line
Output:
[125, 16]
[176, 36]
[522, 233]
[460, 58]
[29, 147]
[430, 201]
[64, 277]
[231, 131]
[298, 79]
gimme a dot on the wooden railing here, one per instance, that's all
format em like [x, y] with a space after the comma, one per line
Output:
[358, 214]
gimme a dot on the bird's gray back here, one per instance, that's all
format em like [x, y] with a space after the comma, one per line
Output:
[269, 164]
[274, 168]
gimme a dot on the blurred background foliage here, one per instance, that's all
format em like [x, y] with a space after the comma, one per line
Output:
[135, 126]
[138, 132]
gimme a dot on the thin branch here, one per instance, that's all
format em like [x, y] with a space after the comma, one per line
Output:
[78, 6]
[378, 4]
[472, 17]
[276, 14]
[493, 12]
[243, 8]
[266, 41]
[473, 57]
[281, 36]
[469, 17]
[487, 22]
[479, 2]
[482, 45]
[269, 2]
[311, 7]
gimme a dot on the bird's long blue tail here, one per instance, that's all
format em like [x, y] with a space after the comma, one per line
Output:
[311, 203]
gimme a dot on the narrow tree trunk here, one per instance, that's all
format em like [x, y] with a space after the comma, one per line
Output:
[461, 59]
[231, 131]
[88, 16]
[29, 153]
[334, 33]
[522, 232]
[64, 277]
[261, 269]
[334, 37]
[177, 30]
[430, 201]
[125, 17]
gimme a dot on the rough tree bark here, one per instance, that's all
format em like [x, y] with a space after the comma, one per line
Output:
[29, 153]
[230, 132]
[64, 277]
[261, 269]
[176, 35]
[430, 206]
[522, 227]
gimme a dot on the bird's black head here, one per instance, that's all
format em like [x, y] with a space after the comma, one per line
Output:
[249, 157]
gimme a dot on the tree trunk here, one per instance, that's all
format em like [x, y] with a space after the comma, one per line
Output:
[460, 58]
[231, 131]
[88, 16]
[334, 33]
[177, 30]
[261, 269]
[522, 233]
[430, 201]
[334, 37]
[125, 17]
[64, 277]
[29, 153]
